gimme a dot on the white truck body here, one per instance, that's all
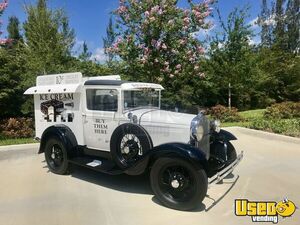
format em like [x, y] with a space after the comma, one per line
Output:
[62, 99]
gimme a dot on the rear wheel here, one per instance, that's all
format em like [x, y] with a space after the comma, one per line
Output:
[56, 156]
[178, 184]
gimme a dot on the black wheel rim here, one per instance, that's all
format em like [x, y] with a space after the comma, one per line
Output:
[55, 156]
[130, 148]
[177, 183]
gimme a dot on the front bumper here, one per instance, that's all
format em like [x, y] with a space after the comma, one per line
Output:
[224, 172]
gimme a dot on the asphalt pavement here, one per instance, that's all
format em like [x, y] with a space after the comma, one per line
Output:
[31, 195]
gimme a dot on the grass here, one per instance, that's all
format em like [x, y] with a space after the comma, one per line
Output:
[16, 141]
[253, 114]
[248, 117]
[255, 119]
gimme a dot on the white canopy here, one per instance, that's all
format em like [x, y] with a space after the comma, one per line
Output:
[67, 88]
[56, 83]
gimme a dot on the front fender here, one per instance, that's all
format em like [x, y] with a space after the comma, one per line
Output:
[180, 150]
[224, 135]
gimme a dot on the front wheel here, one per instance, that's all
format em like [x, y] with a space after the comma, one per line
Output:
[178, 184]
[56, 156]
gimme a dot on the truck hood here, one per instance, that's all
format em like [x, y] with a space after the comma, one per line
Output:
[163, 117]
[167, 127]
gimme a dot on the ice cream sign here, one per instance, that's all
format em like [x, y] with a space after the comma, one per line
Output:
[60, 97]
[57, 107]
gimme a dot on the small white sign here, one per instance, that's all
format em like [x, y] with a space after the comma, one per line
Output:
[94, 163]
[59, 79]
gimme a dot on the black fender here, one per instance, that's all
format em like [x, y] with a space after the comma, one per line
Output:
[180, 150]
[224, 135]
[62, 132]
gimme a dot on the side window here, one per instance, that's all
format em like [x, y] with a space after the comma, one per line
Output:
[102, 100]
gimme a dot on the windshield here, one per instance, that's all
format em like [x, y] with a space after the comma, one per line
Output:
[141, 98]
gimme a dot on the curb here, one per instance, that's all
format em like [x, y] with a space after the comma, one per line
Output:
[266, 135]
[18, 147]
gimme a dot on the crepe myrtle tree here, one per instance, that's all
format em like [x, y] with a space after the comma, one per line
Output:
[157, 39]
[3, 6]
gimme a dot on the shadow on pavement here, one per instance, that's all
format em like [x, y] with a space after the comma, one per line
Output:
[134, 184]
[124, 183]
[232, 184]
[200, 208]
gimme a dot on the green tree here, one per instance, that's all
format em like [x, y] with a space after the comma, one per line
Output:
[11, 92]
[8, 80]
[279, 65]
[13, 29]
[48, 40]
[281, 71]
[266, 27]
[279, 30]
[293, 25]
[232, 61]
[85, 55]
[108, 41]
[90, 68]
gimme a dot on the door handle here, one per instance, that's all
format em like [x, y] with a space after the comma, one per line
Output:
[84, 118]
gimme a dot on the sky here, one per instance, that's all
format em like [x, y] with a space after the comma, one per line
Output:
[90, 18]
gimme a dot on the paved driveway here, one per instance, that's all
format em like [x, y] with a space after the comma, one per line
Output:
[30, 194]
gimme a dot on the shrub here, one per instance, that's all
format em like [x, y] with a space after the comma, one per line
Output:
[284, 110]
[224, 114]
[290, 127]
[17, 128]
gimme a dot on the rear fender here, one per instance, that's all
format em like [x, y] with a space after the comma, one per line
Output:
[62, 132]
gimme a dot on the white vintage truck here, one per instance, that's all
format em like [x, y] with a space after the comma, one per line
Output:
[115, 126]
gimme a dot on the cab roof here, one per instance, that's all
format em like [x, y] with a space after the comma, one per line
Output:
[125, 85]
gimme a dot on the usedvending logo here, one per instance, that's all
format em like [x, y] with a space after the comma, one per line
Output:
[264, 211]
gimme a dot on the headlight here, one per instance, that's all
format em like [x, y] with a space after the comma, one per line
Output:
[196, 129]
[216, 125]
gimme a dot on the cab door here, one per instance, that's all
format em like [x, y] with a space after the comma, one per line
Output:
[99, 117]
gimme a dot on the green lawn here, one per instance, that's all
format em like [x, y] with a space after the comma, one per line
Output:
[16, 141]
[248, 117]
[253, 114]
[254, 119]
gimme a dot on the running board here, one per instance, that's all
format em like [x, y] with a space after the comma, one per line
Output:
[96, 163]
[224, 172]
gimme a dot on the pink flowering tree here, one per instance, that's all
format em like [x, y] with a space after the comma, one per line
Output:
[157, 39]
[3, 6]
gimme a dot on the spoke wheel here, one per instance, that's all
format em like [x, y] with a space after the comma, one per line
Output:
[56, 156]
[131, 148]
[177, 183]
[128, 144]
